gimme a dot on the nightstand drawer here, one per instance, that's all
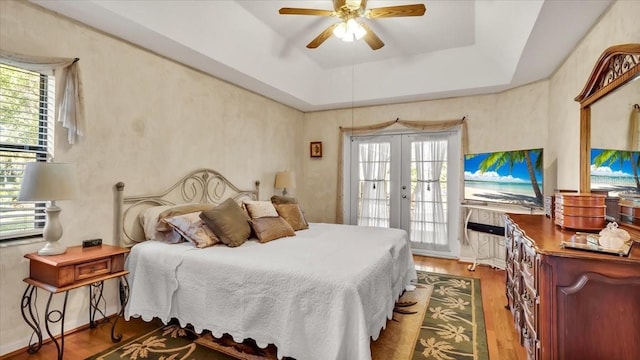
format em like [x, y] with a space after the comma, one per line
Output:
[94, 268]
[77, 266]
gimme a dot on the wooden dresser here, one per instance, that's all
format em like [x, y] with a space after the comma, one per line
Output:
[566, 303]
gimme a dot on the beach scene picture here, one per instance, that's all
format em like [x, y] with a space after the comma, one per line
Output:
[509, 177]
[615, 171]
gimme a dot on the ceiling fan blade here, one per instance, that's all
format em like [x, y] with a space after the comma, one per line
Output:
[338, 4]
[371, 38]
[298, 11]
[396, 11]
[322, 37]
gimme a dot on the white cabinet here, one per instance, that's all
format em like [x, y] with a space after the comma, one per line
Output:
[484, 234]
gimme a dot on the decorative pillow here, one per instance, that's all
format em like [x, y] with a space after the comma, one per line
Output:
[260, 209]
[277, 199]
[149, 220]
[229, 222]
[179, 210]
[193, 229]
[271, 228]
[293, 215]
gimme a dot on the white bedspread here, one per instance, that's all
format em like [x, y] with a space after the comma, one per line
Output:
[319, 295]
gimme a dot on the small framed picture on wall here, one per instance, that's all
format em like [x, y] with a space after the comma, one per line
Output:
[315, 149]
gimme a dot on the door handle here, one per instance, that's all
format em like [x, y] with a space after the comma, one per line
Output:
[404, 196]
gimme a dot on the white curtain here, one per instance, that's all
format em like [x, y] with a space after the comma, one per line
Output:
[374, 163]
[428, 224]
[69, 100]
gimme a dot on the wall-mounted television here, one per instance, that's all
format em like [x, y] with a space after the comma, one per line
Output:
[508, 177]
[615, 171]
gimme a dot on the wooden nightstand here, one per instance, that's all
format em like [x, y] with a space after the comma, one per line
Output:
[77, 267]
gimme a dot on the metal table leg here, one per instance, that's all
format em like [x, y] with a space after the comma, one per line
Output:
[54, 316]
[95, 297]
[28, 299]
[124, 299]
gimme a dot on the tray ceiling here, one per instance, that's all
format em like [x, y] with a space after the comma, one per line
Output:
[457, 48]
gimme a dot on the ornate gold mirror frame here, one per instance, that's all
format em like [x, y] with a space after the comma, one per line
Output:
[616, 66]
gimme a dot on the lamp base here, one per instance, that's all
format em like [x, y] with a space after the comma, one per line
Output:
[52, 248]
[52, 232]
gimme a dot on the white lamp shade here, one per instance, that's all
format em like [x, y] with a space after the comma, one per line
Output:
[285, 179]
[48, 181]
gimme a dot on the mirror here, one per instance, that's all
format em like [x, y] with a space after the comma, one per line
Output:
[611, 116]
[611, 92]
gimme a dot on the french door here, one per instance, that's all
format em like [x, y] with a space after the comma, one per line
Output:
[408, 181]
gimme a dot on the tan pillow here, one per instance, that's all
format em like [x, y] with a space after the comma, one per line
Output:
[193, 229]
[149, 219]
[229, 222]
[260, 209]
[277, 199]
[271, 228]
[179, 210]
[292, 213]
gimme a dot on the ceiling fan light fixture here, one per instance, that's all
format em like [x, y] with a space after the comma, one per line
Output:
[355, 29]
[340, 31]
[353, 4]
[349, 31]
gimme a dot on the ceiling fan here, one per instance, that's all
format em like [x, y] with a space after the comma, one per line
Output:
[349, 28]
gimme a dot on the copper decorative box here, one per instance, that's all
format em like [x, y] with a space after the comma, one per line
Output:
[580, 211]
[630, 214]
[629, 209]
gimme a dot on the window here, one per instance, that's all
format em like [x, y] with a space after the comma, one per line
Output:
[26, 135]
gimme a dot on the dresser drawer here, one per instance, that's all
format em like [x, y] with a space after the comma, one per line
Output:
[91, 269]
[517, 241]
[530, 308]
[528, 264]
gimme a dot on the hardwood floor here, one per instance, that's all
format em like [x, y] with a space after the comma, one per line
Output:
[502, 338]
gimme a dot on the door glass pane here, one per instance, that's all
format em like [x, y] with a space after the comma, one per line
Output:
[428, 203]
[374, 184]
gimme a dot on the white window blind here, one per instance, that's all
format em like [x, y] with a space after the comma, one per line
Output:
[26, 135]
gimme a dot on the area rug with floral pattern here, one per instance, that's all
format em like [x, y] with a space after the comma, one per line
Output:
[452, 328]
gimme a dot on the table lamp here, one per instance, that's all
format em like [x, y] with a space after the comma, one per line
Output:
[49, 181]
[284, 180]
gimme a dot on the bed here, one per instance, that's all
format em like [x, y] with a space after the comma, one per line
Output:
[324, 293]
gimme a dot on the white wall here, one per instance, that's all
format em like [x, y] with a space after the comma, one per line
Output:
[619, 25]
[149, 122]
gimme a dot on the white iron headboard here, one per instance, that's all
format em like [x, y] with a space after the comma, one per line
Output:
[203, 186]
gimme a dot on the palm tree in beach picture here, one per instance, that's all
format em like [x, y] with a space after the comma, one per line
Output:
[608, 157]
[498, 159]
